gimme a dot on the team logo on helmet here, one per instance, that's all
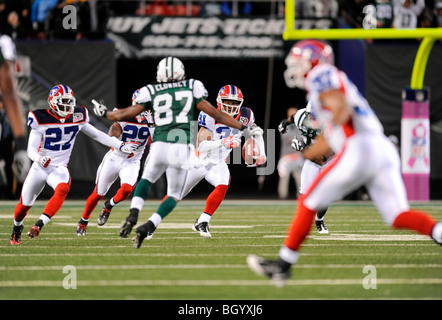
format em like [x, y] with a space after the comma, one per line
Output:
[61, 100]
[230, 99]
[303, 57]
[135, 96]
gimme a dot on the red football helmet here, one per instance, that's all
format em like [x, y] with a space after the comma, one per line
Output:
[230, 99]
[303, 57]
[61, 100]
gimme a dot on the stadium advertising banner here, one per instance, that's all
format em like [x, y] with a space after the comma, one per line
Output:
[217, 37]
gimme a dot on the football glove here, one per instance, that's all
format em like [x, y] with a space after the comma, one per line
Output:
[129, 147]
[44, 161]
[231, 142]
[255, 130]
[257, 161]
[99, 108]
[297, 144]
[282, 127]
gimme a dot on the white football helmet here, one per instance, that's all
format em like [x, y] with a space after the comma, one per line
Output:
[230, 99]
[303, 57]
[61, 100]
[170, 69]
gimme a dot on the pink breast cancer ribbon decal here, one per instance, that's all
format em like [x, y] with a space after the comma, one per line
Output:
[418, 144]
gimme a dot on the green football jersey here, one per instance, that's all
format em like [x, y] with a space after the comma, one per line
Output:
[172, 105]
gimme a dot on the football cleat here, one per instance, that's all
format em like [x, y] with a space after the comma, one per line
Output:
[104, 216]
[81, 229]
[202, 228]
[34, 232]
[16, 235]
[144, 231]
[321, 227]
[130, 222]
[278, 271]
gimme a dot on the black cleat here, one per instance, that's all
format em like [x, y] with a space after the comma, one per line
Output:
[16, 235]
[202, 228]
[130, 222]
[321, 227]
[104, 216]
[81, 229]
[276, 270]
[144, 231]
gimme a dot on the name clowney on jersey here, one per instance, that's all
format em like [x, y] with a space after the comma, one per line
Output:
[59, 134]
[326, 77]
[221, 131]
[136, 130]
[172, 106]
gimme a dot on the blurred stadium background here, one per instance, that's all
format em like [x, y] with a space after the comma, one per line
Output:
[117, 45]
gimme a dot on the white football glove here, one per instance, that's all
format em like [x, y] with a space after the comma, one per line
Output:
[21, 165]
[129, 147]
[231, 142]
[297, 144]
[99, 108]
[44, 161]
[255, 130]
[257, 161]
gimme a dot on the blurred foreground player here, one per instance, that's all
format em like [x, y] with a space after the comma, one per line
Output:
[364, 157]
[51, 140]
[118, 164]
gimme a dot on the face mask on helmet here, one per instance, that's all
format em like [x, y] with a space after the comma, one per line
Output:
[170, 69]
[229, 100]
[303, 57]
[61, 100]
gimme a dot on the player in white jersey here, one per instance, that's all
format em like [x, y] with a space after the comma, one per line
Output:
[51, 140]
[117, 164]
[364, 157]
[172, 100]
[311, 168]
[215, 143]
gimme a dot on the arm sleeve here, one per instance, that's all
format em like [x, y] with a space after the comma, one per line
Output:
[101, 137]
[260, 141]
[33, 145]
[207, 146]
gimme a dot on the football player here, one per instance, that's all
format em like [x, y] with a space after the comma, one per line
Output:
[364, 156]
[172, 100]
[52, 137]
[215, 142]
[117, 164]
[303, 120]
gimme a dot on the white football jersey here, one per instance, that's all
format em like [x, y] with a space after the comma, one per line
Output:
[58, 134]
[325, 77]
[136, 130]
[221, 131]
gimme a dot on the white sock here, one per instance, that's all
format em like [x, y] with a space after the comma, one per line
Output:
[45, 218]
[204, 217]
[437, 232]
[18, 223]
[137, 203]
[156, 219]
[289, 255]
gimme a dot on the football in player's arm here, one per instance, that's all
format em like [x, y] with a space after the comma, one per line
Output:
[50, 143]
[215, 142]
[172, 100]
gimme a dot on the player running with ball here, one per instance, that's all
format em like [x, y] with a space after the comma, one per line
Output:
[364, 156]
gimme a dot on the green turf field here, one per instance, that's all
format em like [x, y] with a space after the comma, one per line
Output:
[180, 264]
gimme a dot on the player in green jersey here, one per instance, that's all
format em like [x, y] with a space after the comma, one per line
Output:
[172, 100]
